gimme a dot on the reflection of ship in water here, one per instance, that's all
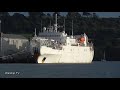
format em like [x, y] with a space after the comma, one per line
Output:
[54, 46]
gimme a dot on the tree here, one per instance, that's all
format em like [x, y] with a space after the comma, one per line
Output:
[48, 15]
[95, 15]
[4, 17]
[17, 23]
[87, 14]
[35, 20]
[58, 14]
[73, 15]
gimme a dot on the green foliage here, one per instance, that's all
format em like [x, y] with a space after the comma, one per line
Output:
[89, 23]
[102, 31]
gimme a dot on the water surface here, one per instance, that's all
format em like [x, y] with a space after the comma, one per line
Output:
[97, 69]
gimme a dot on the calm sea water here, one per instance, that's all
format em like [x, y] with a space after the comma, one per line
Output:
[97, 69]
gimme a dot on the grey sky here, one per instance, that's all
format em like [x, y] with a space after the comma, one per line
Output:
[101, 14]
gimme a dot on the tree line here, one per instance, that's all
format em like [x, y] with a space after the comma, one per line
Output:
[90, 23]
[102, 31]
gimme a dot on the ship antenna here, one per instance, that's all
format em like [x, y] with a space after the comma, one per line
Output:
[64, 24]
[72, 28]
[35, 33]
[41, 25]
[50, 22]
[56, 22]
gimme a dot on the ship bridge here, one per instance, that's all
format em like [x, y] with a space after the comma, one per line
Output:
[57, 36]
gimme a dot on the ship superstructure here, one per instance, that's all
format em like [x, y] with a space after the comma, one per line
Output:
[57, 47]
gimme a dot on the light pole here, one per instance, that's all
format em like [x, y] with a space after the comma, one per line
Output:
[0, 40]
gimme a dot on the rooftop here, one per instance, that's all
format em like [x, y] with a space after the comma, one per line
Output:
[13, 36]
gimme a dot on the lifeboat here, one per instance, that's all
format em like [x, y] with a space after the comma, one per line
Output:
[82, 39]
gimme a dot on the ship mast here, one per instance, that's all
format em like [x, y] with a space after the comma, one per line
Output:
[56, 22]
[41, 25]
[64, 24]
[35, 33]
[72, 28]
[50, 23]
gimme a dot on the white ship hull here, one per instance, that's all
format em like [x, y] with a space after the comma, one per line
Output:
[69, 54]
[57, 47]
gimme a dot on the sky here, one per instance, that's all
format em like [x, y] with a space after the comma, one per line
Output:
[100, 14]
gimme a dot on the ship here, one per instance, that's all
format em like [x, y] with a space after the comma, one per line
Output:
[53, 46]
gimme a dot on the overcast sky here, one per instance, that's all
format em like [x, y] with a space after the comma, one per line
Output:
[101, 14]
